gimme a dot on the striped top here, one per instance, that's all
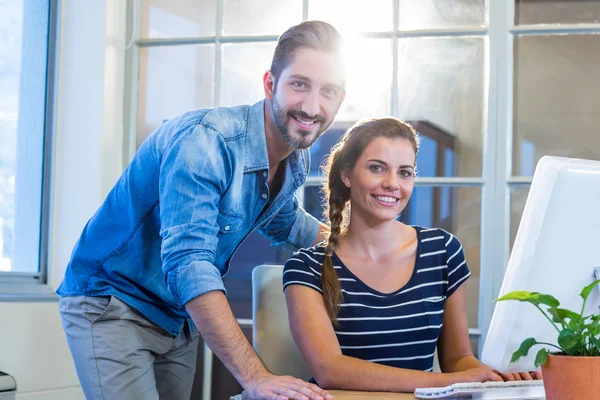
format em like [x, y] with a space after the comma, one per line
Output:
[399, 329]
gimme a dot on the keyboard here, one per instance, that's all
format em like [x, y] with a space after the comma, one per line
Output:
[522, 390]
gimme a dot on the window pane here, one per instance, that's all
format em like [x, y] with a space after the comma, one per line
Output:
[357, 15]
[440, 14]
[518, 197]
[322, 147]
[369, 79]
[244, 65]
[178, 19]
[441, 89]
[556, 99]
[435, 158]
[314, 201]
[173, 80]
[23, 62]
[450, 208]
[273, 17]
[557, 11]
[455, 209]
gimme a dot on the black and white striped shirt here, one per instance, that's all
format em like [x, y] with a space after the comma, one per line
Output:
[399, 329]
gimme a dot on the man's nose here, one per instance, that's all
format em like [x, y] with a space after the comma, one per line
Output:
[311, 105]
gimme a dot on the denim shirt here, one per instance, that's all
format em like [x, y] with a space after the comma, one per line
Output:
[169, 227]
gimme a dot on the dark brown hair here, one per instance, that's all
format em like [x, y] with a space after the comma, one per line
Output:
[316, 35]
[343, 157]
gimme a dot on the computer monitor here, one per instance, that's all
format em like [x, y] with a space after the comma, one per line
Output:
[556, 251]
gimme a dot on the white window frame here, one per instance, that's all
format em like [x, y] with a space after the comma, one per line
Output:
[33, 164]
[496, 180]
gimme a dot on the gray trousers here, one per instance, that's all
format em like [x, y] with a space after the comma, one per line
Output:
[119, 354]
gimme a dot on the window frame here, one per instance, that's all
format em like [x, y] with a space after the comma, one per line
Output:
[496, 180]
[33, 286]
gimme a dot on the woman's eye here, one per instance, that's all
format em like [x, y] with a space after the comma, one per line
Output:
[376, 168]
[406, 174]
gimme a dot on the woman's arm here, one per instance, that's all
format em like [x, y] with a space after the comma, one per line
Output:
[454, 348]
[316, 340]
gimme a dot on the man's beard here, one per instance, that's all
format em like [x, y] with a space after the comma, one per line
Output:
[305, 138]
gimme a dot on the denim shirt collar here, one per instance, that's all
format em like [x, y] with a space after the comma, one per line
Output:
[256, 157]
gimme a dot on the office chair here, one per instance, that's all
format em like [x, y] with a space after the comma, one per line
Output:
[271, 337]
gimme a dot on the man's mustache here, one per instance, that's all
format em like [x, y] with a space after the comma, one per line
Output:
[306, 117]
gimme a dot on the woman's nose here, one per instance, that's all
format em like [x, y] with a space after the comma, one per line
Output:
[392, 183]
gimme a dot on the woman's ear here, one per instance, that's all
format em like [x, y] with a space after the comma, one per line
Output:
[345, 175]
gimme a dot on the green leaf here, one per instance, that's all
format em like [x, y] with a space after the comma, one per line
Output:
[595, 342]
[560, 314]
[588, 289]
[594, 328]
[523, 349]
[567, 339]
[564, 313]
[541, 357]
[531, 297]
[596, 346]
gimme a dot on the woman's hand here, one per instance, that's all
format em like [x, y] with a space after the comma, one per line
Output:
[477, 374]
[520, 376]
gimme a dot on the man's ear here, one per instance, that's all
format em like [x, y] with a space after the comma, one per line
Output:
[269, 84]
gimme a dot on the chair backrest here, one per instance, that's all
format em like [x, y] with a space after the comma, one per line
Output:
[272, 338]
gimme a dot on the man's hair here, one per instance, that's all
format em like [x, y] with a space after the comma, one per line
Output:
[317, 35]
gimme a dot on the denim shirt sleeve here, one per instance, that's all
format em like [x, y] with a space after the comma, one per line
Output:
[292, 227]
[193, 175]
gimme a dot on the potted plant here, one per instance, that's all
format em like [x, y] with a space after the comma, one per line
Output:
[572, 369]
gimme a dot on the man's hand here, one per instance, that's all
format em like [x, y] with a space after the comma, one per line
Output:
[220, 330]
[273, 387]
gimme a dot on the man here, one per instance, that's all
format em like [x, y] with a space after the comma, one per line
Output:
[149, 264]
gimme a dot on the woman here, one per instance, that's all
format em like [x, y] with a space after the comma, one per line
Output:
[368, 307]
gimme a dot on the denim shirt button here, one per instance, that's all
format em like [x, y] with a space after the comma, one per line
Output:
[227, 227]
[264, 195]
[265, 174]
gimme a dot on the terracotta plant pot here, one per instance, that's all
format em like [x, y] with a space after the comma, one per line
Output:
[571, 378]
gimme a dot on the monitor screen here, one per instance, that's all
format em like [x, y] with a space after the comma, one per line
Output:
[556, 251]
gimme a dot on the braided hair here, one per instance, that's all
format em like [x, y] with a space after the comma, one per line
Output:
[343, 157]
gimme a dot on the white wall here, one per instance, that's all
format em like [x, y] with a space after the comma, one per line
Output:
[87, 160]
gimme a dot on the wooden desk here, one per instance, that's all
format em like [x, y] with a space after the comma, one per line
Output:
[347, 395]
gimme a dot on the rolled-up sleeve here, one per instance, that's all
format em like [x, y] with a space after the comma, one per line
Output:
[192, 178]
[292, 227]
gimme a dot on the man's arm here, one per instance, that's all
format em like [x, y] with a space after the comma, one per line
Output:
[194, 173]
[322, 234]
[294, 227]
[213, 317]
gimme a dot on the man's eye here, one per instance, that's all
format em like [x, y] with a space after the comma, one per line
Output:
[298, 85]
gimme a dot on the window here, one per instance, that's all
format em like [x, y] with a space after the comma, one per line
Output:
[25, 36]
[491, 86]
[555, 45]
